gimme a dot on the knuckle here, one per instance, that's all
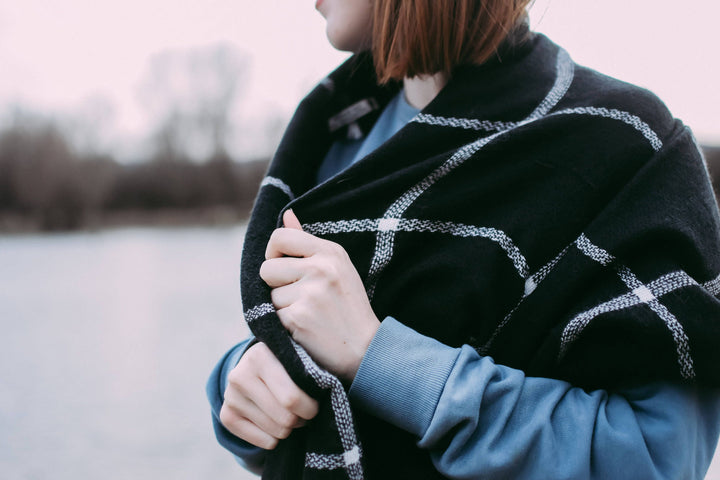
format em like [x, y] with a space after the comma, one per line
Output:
[314, 267]
[302, 315]
[321, 268]
[290, 400]
[287, 421]
[260, 349]
[274, 239]
[337, 259]
[314, 408]
[293, 316]
[329, 276]
[264, 269]
[227, 397]
[249, 354]
[237, 376]
[227, 417]
[286, 317]
[333, 277]
[325, 266]
[277, 233]
[336, 251]
[269, 444]
[275, 298]
[316, 295]
[284, 432]
[256, 354]
[249, 366]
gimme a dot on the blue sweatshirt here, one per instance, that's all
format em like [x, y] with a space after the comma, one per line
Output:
[481, 420]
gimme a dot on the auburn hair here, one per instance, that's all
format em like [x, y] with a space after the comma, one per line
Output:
[416, 37]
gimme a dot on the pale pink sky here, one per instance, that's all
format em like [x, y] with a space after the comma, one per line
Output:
[56, 55]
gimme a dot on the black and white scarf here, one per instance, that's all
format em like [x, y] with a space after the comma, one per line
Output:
[553, 218]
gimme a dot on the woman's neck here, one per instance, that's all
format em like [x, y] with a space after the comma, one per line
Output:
[420, 90]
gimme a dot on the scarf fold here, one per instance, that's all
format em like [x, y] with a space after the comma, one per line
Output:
[551, 217]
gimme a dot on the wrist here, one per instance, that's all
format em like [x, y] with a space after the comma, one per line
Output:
[360, 347]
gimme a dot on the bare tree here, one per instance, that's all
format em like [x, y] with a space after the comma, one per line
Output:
[90, 125]
[191, 94]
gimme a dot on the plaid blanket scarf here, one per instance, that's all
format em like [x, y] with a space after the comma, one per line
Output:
[551, 217]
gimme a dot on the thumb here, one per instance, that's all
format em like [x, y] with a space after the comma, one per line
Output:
[290, 220]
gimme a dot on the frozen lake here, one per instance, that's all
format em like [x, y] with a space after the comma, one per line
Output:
[107, 340]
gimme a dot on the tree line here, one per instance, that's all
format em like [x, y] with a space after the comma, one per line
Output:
[46, 184]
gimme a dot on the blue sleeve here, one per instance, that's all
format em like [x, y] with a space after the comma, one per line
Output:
[481, 420]
[249, 456]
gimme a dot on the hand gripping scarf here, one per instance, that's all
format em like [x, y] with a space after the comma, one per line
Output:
[553, 218]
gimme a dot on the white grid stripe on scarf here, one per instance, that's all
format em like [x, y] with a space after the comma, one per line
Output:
[658, 288]
[343, 416]
[642, 294]
[713, 286]
[277, 183]
[628, 118]
[258, 311]
[465, 123]
[332, 461]
[564, 74]
[531, 284]
[384, 243]
[387, 225]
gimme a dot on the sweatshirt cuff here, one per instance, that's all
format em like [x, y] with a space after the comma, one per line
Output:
[402, 376]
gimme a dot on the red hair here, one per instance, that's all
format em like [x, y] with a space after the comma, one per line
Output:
[415, 37]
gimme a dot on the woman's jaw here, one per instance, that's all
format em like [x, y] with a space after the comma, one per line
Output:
[349, 23]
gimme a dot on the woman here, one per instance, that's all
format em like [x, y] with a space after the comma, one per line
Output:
[510, 260]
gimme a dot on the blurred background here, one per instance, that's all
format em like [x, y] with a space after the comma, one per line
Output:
[133, 136]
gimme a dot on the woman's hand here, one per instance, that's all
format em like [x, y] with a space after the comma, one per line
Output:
[319, 297]
[262, 405]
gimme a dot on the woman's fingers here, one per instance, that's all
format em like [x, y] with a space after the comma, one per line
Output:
[262, 404]
[290, 220]
[281, 418]
[291, 242]
[277, 272]
[266, 415]
[245, 429]
[288, 395]
[283, 297]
